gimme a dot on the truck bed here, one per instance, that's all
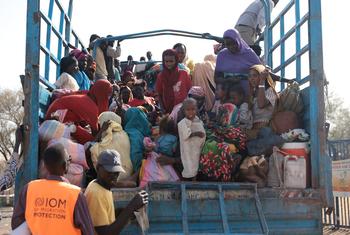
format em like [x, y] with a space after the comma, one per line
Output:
[199, 210]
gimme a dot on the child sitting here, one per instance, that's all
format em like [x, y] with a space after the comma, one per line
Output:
[220, 98]
[192, 138]
[245, 117]
[167, 141]
[165, 145]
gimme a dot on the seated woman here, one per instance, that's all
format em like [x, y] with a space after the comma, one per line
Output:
[172, 84]
[140, 99]
[223, 149]
[165, 145]
[68, 67]
[197, 93]
[263, 98]
[80, 75]
[83, 110]
[114, 137]
[235, 59]
[137, 127]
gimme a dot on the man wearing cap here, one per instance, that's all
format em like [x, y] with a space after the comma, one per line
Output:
[100, 199]
[53, 206]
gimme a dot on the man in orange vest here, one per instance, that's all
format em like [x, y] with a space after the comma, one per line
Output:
[53, 206]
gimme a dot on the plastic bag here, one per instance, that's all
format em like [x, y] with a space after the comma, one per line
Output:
[152, 171]
[142, 219]
[75, 150]
[23, 229]
[275, 175]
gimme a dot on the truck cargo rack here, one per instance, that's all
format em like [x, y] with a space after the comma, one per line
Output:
[183, 192]
[183, 186]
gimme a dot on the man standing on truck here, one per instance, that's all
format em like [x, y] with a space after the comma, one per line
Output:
[100, 199]
[252, 21]
[53, 206]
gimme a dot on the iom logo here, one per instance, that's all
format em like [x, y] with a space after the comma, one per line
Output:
[50, 203]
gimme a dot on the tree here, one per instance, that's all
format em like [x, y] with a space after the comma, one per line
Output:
[11, 116]
[338, 115]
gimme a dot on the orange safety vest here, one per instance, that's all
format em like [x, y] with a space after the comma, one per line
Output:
[50, 207]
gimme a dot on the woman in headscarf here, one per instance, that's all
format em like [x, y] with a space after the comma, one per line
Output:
[263, 97]
[172, 84]
[82, 110]
[203, 76]
[114, 137]
[137, 127]
[80, 75]
[235, 60]
[197, 93]
[223, 149]
[68, 68]
[181, 52]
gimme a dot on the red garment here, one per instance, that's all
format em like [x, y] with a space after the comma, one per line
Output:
[84, 109]
[172, 85]
[176, 93]
[136, 102]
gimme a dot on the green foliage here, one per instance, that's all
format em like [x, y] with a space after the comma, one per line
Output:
[11, 116]
[338, 115]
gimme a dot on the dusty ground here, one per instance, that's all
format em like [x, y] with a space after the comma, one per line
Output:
[5, 222]
[330, 230]
[6, 213]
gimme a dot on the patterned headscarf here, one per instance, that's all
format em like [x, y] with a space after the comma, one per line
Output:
[197, 91]
[78, 54]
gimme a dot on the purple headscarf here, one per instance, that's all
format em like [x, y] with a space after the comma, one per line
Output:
[239, 62]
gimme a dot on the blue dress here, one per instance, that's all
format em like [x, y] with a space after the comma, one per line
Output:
[166, 144]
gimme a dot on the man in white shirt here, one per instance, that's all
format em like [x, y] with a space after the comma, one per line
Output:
[104, 68]
[252, 20]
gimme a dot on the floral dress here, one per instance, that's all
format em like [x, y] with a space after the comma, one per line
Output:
[220, 157]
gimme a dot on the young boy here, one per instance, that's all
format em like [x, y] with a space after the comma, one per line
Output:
[192, 138]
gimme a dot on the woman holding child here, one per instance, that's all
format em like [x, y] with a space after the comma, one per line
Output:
[235, 59]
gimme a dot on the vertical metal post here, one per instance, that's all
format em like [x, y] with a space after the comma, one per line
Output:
[184, 209]
[321, 172]
[68, 26]
[260, 212]
[223, 211]
[31, 95]
[267, 33]
[60, 44]
[336, 214]
[48, 40]
[282, 50]
[297, 40]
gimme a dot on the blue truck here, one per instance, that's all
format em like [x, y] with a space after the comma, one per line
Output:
[202, 208]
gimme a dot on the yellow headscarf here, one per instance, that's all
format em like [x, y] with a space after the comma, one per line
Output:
[261, 68]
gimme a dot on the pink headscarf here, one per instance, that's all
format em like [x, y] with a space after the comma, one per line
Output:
[197, 91]
[78, 54]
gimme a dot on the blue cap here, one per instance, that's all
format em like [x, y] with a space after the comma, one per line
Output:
[110, 160]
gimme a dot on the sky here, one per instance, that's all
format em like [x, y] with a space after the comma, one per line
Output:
[105, 17]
